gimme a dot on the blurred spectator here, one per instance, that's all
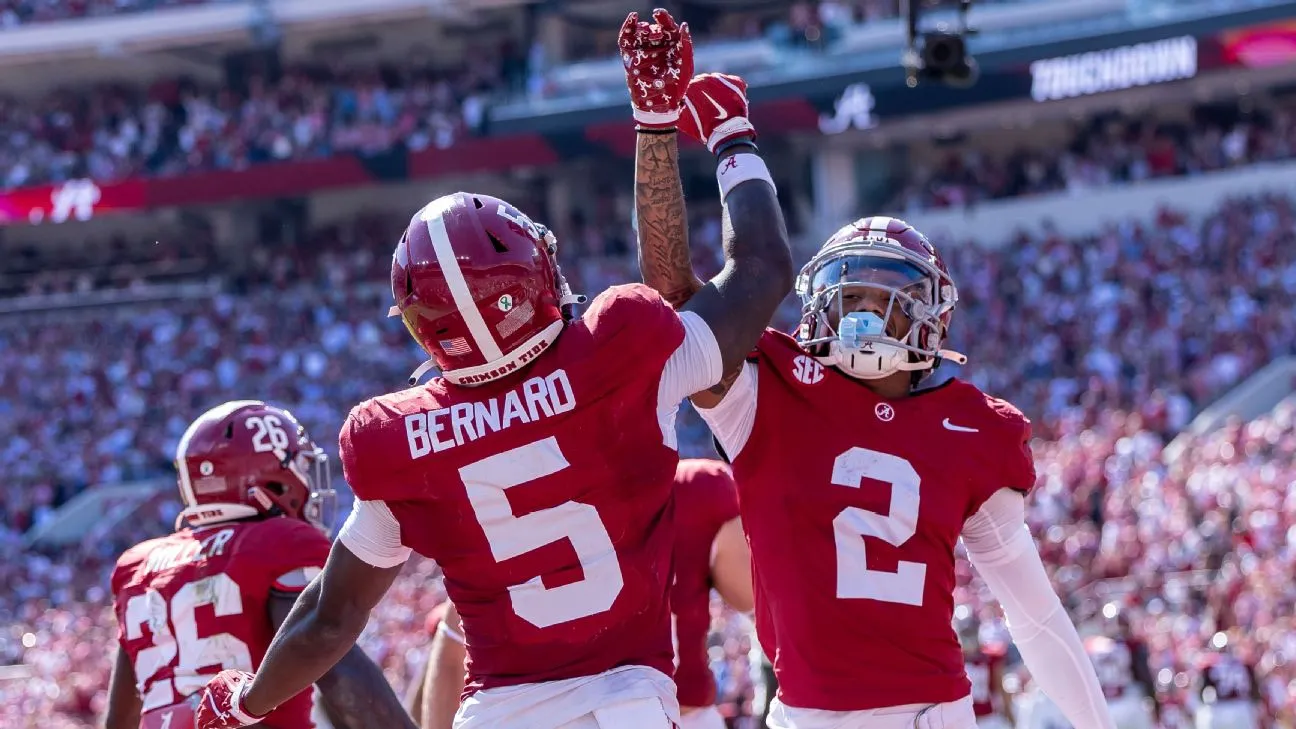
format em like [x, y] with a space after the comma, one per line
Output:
[1110, 343]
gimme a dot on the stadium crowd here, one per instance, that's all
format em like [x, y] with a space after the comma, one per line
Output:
[799, 13]
[1110, 343]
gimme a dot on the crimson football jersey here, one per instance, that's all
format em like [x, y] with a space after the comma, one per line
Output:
[705, 501]
[545, 497]
[196, 602]
[982, 670]
[853, 505]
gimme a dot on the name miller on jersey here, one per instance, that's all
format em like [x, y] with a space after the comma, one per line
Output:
[174, 555]
[536, 398]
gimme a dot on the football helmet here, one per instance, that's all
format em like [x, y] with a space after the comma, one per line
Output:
[477, 285]
[246, 459]
[884, 254]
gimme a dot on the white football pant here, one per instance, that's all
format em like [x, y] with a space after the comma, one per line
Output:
[951, 715]
[629, 697]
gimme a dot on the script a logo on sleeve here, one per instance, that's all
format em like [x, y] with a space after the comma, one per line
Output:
[807, 370]
[853, 108]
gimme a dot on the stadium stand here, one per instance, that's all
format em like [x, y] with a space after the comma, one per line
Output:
[1114, 339]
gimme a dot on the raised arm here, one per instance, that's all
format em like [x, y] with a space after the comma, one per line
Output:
[662, 219]
[739, 302]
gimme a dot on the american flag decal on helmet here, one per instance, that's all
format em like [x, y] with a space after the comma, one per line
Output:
[455, 347]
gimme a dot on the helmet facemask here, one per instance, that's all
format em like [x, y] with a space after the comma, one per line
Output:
[840, 332]
[312, 467]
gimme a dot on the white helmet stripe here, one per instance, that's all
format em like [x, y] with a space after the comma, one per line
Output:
[879, 224]
[454, 277]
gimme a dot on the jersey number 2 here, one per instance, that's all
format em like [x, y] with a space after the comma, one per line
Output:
[854, 578]
[512, 536]
[222, 650]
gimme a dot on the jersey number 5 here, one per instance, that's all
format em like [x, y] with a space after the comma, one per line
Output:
[854, 578]
[512, 536]
[213, 652]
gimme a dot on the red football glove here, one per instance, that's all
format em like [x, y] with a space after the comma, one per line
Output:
[222, 702]
[716, 109]
[658, 59]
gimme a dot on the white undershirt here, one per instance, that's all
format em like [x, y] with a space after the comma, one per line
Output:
[372, 533]
[732, 420]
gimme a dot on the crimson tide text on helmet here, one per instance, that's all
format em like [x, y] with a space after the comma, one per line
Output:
[245, 459]
[477, 284]
[889, 255]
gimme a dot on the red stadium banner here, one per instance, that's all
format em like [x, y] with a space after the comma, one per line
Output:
[71, 200]
[281, 179]
[1260, 46]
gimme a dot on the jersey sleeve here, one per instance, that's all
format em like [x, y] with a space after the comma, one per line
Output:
[351, 441]
[1018, 469]
[373, 534]
[292, 551]
[122, 574]
[708, 492]
[635, 330]
[722, 494]
[694, 366]
[732, 420]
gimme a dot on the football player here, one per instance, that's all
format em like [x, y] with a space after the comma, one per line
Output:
[210, 596]
[1122, 664]
[537, 469]
[1226, 694]
[415, 699]
[991, 702]
[855, 483]
[710, 552]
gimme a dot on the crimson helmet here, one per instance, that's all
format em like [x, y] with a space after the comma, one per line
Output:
[890, 255]
[477, 284]
[245, 459]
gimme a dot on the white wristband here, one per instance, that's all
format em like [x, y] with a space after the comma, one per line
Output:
[740, 168]
[450, 633]
[656, 118]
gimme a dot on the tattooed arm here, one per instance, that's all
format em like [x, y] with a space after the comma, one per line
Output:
[663, 222]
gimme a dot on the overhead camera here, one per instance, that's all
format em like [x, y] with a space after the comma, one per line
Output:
[939, 55]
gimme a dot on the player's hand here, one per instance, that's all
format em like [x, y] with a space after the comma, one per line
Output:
[658, 59]
[221, 706]
[715, 110]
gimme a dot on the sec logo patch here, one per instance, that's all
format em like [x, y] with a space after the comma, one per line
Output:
[807, 370]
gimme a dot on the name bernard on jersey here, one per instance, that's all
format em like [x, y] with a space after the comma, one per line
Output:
[535, 399]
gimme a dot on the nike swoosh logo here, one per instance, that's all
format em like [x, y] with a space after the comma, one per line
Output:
[957, 428]
[721, 114]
